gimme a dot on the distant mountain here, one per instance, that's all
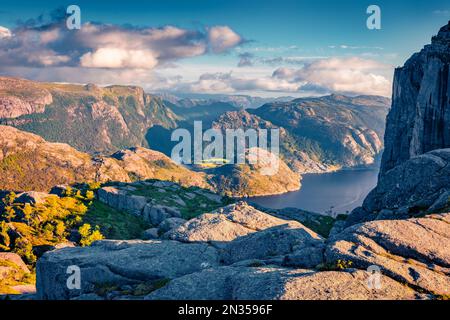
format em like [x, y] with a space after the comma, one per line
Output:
[87, 117]
[28, 162]
[334, 131]
[318, 134]
[239, 101]
[299, 156]
[205, 111]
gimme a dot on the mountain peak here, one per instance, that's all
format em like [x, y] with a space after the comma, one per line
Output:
[443, 36]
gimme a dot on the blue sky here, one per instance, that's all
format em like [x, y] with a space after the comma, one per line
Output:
[283, 47]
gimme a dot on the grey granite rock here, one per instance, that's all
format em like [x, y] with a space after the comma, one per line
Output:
[274, 241]
[413, 251]
[419, 120]
[226, 224]
[120, 263]
[244, 283]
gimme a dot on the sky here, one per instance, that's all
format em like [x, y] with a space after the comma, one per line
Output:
[260, 48]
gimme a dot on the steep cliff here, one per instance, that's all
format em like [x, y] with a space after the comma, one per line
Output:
[419, 120]
[89, 118]
[414, 177]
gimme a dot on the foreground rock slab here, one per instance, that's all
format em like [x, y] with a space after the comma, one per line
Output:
[227, 224]
[413, 251]
[119, 262]
[244, 283]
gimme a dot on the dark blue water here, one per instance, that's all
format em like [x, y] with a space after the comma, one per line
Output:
[338, 191]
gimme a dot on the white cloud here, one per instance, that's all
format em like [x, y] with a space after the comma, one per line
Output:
[342, 75]
[222, 38]
[346, 75]
[442, 12]
[5, 32]
[119, 58]
[109, 46]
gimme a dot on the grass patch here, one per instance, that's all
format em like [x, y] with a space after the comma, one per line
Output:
[115, 224]
[194, 202]
[322, 225]
[338, 265]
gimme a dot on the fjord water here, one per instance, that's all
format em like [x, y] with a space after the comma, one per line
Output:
[335, 192]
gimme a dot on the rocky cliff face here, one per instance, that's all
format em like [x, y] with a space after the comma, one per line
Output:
[31, 98]
[414, 169]
[90, 118]
[419, 120]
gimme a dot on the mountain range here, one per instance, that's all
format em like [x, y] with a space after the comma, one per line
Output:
[318, 134]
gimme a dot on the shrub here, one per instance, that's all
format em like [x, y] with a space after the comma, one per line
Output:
[88, 236]
[25, 249]
[89, 195]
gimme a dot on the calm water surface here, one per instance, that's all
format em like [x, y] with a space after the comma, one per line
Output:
[339, 191]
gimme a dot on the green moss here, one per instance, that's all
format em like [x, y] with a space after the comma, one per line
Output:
[102, 289]
[115, 224]
[193, 206]
[148, 287]
[322, 225]
[338, 265]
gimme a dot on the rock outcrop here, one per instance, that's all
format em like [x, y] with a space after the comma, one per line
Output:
[419, 120]
[225, 224]
[413, 251]
[157, 201]
[262, 283]
[242, 253]
[14, 259]
[120, 263]
[420, 184]
[263, 173]
[414, 172]
[15, 276]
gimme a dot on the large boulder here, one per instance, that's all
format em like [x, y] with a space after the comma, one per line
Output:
[416, 183]
[119, 263]
[169, 224]
[33, 197]
[272, 242]
[413, 251]
[122, 200]
[155, 214]
[247, 283]
[226, 224]
[10, 261]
